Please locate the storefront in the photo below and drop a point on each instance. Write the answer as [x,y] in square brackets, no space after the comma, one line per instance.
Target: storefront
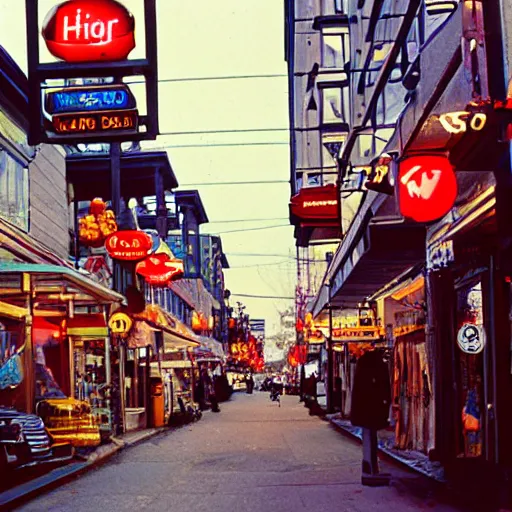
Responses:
[61,346]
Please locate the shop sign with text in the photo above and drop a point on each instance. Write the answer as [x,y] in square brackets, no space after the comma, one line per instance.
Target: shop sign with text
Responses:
[357,333]
[89,31]
[128,245]
[427,187]
[95,122]
[89,99]
[316,204]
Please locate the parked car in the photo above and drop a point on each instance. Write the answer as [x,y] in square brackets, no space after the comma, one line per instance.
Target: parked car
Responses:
[24,441]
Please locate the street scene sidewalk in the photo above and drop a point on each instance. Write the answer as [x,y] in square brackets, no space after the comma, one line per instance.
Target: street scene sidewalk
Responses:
[256,457]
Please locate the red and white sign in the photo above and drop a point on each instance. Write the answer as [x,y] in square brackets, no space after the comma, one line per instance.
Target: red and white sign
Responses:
[129,245]
[89,31]
[427,187]
[316,204]
[160,269]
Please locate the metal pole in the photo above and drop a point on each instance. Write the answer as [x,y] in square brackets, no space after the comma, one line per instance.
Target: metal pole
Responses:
[115,181]
[330,362]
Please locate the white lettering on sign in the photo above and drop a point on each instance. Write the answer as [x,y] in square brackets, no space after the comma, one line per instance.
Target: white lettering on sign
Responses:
[458,122]
[95,32]
[308,204]
[427,185]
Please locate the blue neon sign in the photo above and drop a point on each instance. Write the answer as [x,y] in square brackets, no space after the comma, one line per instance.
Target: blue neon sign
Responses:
[89,99]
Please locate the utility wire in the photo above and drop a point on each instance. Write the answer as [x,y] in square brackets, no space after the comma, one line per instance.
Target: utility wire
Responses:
[234,130]
[231,221]
[211,78]
[226,183]
[250,229]
[260,296]
[230,144]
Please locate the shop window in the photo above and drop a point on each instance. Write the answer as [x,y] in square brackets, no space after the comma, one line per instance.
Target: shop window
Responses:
[335,50]
[14,193]
[335,105]
[470,372]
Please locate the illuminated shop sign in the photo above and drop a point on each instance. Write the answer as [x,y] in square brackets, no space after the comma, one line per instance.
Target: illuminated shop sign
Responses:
[356,333]
[160,269]
[380,176]
[128,245]
[89,31]
[95,122]
[461,122]
[316,204]
[89,99]
[427,187]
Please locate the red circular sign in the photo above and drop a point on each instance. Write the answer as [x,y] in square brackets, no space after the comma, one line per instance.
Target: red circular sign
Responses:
[89,31]
[160,269]
[427,187]
[128,245]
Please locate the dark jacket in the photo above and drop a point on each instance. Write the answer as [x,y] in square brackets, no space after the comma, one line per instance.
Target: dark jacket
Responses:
[371,395]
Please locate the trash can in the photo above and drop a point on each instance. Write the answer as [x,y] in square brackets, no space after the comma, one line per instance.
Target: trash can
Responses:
[157,403]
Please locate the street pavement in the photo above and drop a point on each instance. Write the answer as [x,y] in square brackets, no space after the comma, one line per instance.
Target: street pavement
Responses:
[253,456]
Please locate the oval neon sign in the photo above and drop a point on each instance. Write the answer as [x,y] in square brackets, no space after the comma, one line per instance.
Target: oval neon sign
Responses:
[128,245]
[160,269]
[89,31]
[427,187]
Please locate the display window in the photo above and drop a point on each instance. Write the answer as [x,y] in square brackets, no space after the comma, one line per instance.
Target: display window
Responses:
[470,369]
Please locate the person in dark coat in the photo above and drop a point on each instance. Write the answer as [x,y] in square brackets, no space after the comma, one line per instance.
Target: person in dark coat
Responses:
[371,394]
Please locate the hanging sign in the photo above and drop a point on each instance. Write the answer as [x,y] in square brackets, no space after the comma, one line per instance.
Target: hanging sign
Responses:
[356,333]
[89,99]
[160,269]
[316,204]
[427,187]
[380,177]
[89,31]
[95,122]
[120,324]
[128,245]
[471,338]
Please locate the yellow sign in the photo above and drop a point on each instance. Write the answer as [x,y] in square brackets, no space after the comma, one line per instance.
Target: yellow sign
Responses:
[120,324]
[357,333]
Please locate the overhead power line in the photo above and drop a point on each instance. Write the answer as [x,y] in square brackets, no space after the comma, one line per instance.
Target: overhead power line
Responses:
[233,130]
[212,78]
[251,229]
[223,145]
[261,296]
[226,183]
[232,221]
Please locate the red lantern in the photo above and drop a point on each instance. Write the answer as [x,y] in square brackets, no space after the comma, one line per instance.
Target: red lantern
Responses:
[427,187]
[160,269]
[89,31]
[128,245]
[196,322]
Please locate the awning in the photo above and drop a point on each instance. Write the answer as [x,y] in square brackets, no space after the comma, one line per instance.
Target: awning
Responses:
[176,335]
[14,312]
[377,248]
[64,281]
[209,348]
[88,326]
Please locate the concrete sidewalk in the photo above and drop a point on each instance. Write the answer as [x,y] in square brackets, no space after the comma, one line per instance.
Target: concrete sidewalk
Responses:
[252,457]
[58,476]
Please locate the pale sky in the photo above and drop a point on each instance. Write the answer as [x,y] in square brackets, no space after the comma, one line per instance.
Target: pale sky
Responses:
[225,38]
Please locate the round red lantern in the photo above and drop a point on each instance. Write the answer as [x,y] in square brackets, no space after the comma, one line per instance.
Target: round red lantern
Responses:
[128,245]
[427,187]
[89,31]
[160,269]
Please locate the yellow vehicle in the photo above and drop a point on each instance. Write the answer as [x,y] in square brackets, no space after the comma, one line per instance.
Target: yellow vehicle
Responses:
[67,419]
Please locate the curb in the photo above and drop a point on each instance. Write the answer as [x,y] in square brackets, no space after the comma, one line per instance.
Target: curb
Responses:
[384,454]
[24,492]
